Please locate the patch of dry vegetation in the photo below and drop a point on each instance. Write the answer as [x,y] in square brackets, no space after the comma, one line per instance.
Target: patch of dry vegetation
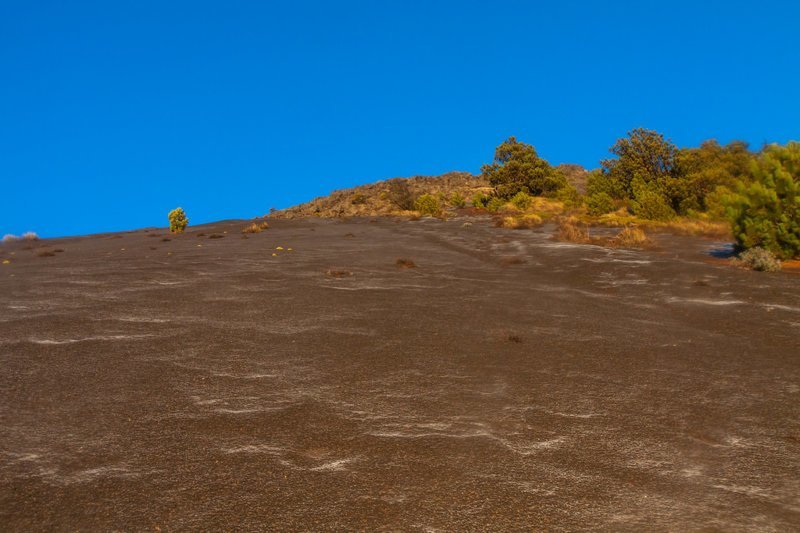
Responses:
[338,273]
[526,221]
[630,238]
[758,259]
[570,229]
[512,260]
[695,227]
[256,227]
[395,196]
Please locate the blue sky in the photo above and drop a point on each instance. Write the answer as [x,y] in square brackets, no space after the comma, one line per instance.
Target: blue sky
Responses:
[112,113]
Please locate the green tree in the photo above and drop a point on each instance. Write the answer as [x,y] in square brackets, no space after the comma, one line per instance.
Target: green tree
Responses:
[518,168]
[645,173]
[766,211]
[643,156]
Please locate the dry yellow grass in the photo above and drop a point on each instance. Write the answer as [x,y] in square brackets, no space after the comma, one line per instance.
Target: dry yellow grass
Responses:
[256,227]
[697,227]
[527,221]
[571,230]
[630,237]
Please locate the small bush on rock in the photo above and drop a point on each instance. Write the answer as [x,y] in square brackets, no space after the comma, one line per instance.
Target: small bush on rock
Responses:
[177,220]
[256,227]
[457,200]
[630,238]
[759,259]
[570,230]
[428,204]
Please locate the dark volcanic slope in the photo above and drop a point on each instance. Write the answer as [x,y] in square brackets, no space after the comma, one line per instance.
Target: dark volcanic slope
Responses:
[222,387]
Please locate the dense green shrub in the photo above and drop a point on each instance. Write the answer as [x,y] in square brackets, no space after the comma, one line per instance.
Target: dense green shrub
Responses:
[495,204]
[517,167]
[601,182]
[521,200]
[644,156]
[457,199]
[600,203]
[427,204]
[766,212]
[177,220]
[479,200]
[758,259]
[569,196]
[648,203]
[658,180]
[708,168]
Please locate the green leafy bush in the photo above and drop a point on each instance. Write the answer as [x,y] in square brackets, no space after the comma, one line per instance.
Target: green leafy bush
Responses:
[495,204]
[649,204]
[457,199]
[644,156]
[521,200]
[766,212]
[601,182]
[177,220]
[569,196]
[517,167]
[600,203]
[427,204]
[758,259]
[709,167]
[479,200]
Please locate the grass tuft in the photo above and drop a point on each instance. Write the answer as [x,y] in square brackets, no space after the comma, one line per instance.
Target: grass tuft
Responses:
[338,274]
[630,237]
[570,230]
[256,227]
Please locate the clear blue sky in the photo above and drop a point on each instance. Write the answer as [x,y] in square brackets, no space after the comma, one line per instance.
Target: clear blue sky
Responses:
[114,112]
